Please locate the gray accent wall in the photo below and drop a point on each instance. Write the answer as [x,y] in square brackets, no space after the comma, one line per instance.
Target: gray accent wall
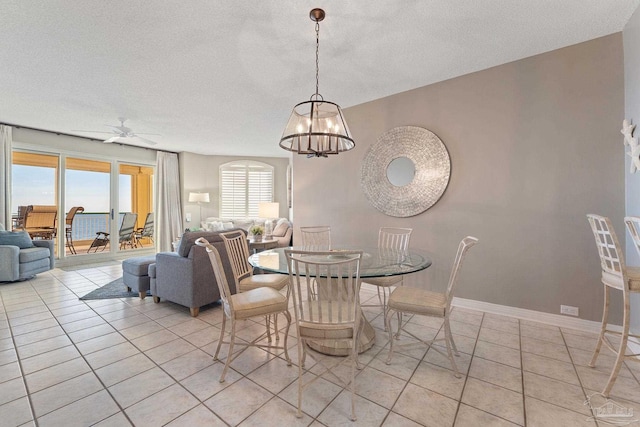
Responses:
[535,145]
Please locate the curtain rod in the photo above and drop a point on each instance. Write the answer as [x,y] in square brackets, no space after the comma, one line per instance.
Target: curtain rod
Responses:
[78,136]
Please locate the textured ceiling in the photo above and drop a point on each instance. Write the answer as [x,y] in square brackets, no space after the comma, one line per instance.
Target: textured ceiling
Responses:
[221,77]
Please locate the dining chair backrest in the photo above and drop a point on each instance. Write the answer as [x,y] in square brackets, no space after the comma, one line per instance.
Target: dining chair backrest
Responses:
[316,238]
[41,216]
[72,213]
[394,238]
[337,301]
[127,227]
[235,242]
[218,272]
[610,252]
[463,247]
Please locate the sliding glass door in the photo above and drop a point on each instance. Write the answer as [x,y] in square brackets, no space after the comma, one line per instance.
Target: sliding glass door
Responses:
[101,205]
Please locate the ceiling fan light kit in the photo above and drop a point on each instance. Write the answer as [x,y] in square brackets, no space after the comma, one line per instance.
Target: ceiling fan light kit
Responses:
[317,127]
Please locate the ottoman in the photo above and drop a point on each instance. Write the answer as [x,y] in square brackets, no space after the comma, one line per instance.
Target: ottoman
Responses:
[135,274]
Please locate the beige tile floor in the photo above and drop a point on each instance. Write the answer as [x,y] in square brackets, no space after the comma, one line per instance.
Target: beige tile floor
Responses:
[121,362]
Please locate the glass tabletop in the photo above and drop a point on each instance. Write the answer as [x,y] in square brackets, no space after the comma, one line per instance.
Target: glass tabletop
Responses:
[375,262]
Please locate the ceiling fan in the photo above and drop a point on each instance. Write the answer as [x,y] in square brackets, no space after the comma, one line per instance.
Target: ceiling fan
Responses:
[122,132]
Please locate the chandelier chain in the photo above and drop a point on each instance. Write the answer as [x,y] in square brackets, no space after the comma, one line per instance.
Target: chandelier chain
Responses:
[317,56]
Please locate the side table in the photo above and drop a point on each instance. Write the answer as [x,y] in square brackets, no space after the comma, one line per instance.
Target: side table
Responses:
[262,245]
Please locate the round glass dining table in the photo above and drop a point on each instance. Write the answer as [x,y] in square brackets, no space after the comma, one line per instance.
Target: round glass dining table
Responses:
[376,262]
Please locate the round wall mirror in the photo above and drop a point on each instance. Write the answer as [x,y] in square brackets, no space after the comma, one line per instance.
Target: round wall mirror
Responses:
[405,171]
[401,171]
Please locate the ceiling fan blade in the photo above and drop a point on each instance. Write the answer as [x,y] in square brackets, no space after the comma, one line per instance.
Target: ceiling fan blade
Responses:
[145,140]
[89,131]
[112,139]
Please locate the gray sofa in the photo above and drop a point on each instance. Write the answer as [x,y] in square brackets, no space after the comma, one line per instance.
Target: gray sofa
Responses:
[20,264]
[186,276]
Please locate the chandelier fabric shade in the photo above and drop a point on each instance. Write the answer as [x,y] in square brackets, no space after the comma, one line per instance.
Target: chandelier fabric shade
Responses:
[317,127]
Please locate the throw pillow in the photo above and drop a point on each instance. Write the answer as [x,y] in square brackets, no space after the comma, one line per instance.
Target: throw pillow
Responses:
[281,228]
[20,239]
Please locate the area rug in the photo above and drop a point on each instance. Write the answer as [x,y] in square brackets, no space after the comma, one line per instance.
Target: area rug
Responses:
[115,289]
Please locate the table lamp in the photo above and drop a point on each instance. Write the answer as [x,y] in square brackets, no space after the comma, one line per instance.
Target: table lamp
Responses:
[268,211]
[199,198]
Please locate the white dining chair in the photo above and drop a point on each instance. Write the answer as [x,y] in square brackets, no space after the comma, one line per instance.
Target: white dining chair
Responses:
[417,301]
[316,238]
[237,246]
[617,276]
[331,319]
[253,303]
[393,242]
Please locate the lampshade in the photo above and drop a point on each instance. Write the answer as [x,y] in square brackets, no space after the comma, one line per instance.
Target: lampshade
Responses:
[317,127]
[199,197]
[268,210]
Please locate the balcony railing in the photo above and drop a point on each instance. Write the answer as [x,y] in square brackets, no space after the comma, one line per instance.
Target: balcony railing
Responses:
[86,225]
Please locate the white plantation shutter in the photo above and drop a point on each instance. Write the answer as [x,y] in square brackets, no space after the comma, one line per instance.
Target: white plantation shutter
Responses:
[243,185]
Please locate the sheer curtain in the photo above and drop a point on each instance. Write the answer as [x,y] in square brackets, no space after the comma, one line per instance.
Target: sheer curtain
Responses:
[6,143]
[169,212]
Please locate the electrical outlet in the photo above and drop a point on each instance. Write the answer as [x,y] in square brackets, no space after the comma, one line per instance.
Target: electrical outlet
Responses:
[567,309]
[188,217]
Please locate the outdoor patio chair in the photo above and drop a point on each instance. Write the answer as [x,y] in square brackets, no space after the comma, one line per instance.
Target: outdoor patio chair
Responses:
[40,221]
[147,230]
[68,227]
[126,235]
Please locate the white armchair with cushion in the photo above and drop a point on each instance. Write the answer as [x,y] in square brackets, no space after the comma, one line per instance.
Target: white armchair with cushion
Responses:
[21,258]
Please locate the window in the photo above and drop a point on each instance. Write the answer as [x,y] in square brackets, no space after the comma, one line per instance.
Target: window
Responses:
[243,185]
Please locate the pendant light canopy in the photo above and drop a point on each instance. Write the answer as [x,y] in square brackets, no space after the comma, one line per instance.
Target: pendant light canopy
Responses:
[317,127]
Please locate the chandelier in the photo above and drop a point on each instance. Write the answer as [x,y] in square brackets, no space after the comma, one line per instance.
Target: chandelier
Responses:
[317,127]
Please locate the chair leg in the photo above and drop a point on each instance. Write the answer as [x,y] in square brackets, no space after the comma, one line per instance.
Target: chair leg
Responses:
[224,323]
[267,321]
[387,322]
[621,350]
[287,315]
[300,373]
[603,327]
[230,353]
[354,362]
[447,332]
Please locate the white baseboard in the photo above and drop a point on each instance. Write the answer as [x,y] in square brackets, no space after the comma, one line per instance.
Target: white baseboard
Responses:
[559,320]
[539,316]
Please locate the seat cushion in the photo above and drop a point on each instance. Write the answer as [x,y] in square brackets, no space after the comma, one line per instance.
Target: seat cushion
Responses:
[258,302]
[418,301]
[33,254]
[138,266]
[275,281]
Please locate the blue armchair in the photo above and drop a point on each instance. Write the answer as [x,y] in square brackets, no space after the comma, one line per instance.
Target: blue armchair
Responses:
[20,264]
